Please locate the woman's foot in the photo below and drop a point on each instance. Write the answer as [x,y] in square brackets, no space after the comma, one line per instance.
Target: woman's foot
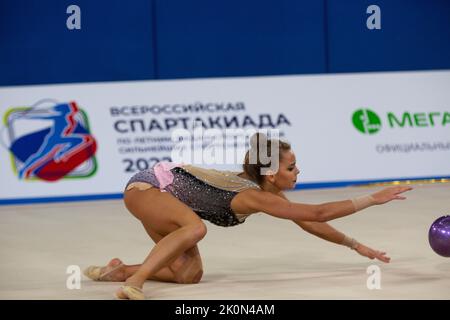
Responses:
[130,292]
[113,271]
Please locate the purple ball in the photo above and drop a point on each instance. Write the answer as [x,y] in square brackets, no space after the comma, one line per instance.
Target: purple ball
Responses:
[439,236]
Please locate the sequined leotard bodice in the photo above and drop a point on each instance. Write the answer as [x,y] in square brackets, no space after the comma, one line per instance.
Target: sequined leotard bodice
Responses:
[208,192]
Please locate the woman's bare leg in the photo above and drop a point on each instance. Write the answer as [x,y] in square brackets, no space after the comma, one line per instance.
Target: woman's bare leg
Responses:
[166,213]
[183,270]
[167,251]
[120,274]
[186,270]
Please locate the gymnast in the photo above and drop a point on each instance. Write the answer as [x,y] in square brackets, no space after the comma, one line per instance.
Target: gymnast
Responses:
[171,200]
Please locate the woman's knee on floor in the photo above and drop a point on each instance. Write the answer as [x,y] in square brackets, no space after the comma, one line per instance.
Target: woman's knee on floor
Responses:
[191,277]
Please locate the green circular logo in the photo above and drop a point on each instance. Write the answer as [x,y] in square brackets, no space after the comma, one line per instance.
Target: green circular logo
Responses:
[366,121]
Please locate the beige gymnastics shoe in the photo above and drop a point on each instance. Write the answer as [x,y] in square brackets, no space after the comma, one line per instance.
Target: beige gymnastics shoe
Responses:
[95,272]
[130,293]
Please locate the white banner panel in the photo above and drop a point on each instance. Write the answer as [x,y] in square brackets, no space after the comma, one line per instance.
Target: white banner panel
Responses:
[86,140]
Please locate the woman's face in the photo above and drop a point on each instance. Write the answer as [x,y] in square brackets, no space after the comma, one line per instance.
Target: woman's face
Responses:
[286,177]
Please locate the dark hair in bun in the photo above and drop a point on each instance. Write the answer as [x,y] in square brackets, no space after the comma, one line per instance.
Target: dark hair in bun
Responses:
[257,141]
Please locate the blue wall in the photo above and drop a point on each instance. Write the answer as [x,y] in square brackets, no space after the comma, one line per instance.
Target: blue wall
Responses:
[415,34]
[204,38]
[166,39]
[115,41]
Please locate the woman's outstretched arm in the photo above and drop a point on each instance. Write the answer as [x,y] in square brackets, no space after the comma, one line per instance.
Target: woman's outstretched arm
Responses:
[274,205]
[324,231]
[319,229]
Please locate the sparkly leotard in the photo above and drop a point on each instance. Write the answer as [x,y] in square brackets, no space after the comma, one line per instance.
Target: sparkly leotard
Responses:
[208,192]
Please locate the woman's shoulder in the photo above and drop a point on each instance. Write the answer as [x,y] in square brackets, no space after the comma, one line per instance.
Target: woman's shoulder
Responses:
[258,200]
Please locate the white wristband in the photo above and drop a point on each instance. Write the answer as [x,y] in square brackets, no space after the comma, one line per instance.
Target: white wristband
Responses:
[350,242]
[362,202]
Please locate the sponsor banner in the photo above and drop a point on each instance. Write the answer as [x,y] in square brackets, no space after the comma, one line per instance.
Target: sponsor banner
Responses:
[87,140]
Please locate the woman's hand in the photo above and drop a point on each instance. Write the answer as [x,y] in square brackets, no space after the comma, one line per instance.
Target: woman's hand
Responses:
[371,253]
[388,194]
